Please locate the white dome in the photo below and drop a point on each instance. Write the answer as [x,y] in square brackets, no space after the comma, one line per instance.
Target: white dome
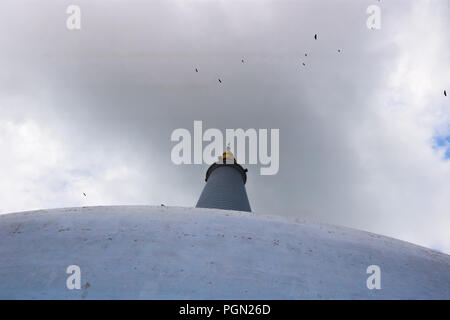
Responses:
[146,252]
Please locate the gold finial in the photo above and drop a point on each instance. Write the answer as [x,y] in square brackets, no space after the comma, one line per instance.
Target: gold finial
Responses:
[228,154]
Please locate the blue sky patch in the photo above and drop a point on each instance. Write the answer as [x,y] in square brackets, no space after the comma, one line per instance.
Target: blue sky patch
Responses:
[442,142]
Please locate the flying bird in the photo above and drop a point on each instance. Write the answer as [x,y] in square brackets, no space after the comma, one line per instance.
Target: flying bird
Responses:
[339,50]
[306,54]
[303,64]
[220,80]
[196,70]
[315,37]
[242,60]
[445,93]
[84,194]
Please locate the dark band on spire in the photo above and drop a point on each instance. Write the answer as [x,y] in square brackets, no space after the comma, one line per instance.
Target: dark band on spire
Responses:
[236,166]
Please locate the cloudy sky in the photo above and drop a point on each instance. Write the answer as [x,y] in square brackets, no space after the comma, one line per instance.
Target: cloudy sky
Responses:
[364,133]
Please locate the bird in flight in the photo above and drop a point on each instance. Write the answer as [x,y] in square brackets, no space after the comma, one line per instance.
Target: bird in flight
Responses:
[84,194]
[445,93]
[315,37]
[196,70]
[303,64]
[306,54]
[339,50]
[220,80]
[242,60]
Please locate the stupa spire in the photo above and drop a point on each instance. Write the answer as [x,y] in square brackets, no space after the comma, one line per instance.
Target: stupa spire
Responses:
[225,185]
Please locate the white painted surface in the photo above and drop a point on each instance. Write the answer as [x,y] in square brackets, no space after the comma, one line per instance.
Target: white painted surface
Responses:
[170,252]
